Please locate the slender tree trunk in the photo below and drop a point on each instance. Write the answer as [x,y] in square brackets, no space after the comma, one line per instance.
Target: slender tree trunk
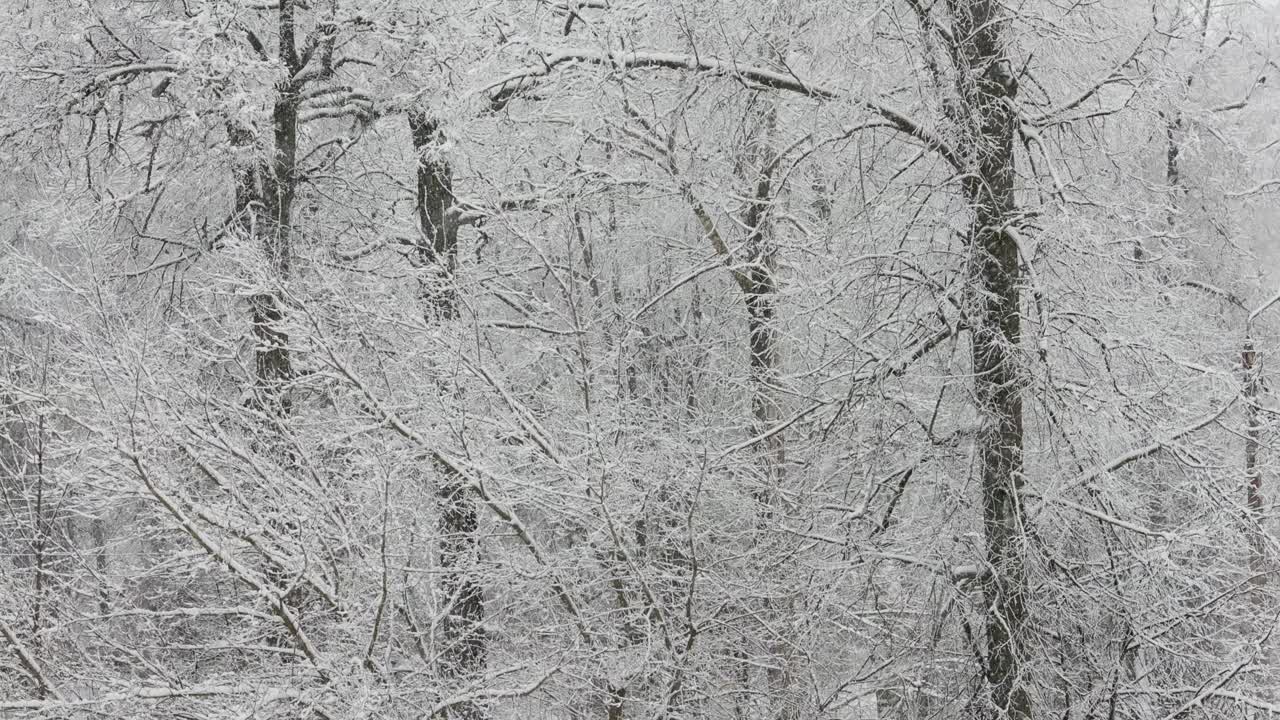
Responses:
[463,636]
[98,531]
[1254,499]
[1174,130]
[1252,442]
[39,545]
[988,88]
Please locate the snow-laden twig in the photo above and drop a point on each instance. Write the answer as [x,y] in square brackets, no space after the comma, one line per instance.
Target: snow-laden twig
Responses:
[28,661]
[500,91]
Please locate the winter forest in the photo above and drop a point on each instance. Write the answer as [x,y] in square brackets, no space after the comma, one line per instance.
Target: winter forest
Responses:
[628,359]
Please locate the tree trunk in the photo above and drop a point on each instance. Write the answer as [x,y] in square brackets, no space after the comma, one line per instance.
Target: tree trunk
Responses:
[1252,384]
[463,635]
[274,365]
[262,213]
[1254,498]
[438,244]
[264,194]
[1174,126]
[988,88]
[759,283]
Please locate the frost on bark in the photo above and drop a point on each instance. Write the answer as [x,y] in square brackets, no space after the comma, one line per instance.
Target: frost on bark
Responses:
[264,195]
[264,192]
[988,88]
[463,636]
[437,249]
[760,287]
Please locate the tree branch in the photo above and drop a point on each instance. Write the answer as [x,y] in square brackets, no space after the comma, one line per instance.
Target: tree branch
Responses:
[502,90]
[29,662]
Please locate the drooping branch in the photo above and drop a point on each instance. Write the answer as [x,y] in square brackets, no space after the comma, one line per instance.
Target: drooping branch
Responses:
[504,89]
[472,479]
[1116,75]
[215,550]
[29,662]
[522,79]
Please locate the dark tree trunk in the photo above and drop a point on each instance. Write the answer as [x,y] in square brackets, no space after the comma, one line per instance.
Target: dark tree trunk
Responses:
[256,221]
[264,195]
[463,630]
[263,213]
[463,634]
[1252,441]
[1254,499]
[759,283]
[760,287]
[438,246]
[988,88]
[1174,126]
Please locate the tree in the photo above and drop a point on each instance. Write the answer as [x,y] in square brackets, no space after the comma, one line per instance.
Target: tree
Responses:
[753,360]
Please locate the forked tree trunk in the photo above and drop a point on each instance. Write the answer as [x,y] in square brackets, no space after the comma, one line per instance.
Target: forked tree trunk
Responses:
[988,88]
[463,636]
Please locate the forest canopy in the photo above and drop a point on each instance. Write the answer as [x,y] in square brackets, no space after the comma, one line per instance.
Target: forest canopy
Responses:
[758,360]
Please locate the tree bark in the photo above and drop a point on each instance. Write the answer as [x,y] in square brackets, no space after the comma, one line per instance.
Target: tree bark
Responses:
[1254,499]
[438,244]
[464,639]
[1174,126]
[762,337]
[264,194]
[1252,442]
[988,88]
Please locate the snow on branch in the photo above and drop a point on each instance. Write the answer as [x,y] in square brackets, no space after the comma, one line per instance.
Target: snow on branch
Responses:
[1089,476]
[504,89]
[522,79]
[261,694]
[28,661]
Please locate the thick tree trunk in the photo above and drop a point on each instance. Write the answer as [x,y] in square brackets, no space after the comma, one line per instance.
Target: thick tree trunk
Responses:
[264,191]
[759,283]
[762,337]
[274,365]
[438,245]
[988,88]
[252,218]
[264,194]
[463,636]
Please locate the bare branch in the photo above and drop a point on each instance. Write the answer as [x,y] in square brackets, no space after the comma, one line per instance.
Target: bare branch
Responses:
[500,91]
[28,661]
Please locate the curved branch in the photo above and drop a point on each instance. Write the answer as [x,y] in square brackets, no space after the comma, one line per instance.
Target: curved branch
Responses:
[1116,75]
[502,90]
[29,662]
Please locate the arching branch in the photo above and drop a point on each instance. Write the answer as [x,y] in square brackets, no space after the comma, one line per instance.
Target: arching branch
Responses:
[501,91]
